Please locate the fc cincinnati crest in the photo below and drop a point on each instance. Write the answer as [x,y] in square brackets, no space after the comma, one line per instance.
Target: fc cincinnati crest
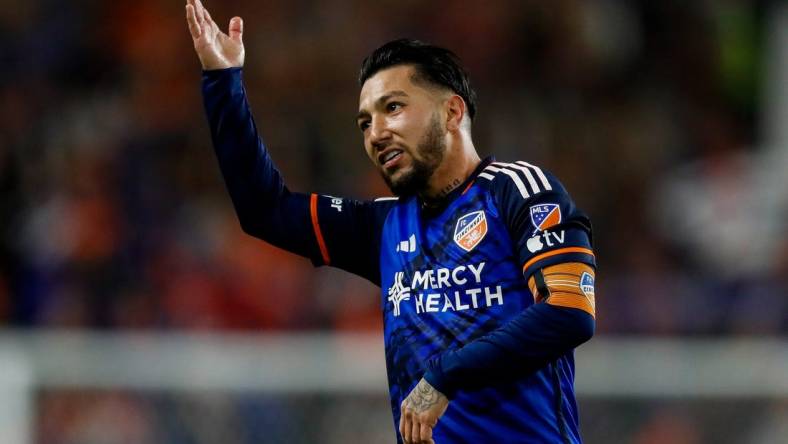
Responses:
[545,216]
[587,287]
[470,230]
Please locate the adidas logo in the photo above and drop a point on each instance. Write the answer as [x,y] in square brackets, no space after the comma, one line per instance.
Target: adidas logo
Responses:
[407,246]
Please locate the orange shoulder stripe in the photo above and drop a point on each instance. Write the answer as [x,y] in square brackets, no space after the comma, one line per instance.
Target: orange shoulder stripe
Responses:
[318,234]
[538,258]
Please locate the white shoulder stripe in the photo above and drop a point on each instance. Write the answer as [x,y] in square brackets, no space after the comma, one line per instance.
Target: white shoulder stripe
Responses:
[539,173]
[515,178]
[490,167]
[380,199]
[528,176]
[517,181]
[517,171]
[487,170]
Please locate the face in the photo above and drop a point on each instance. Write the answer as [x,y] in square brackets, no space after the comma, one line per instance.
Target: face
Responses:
[403,132]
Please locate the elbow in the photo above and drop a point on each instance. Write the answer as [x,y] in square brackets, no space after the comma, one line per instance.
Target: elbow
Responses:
[589,329]
[578,326]
[585,328]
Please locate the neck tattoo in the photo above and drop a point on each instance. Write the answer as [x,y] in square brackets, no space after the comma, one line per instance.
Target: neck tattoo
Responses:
[449,188]
[436,201]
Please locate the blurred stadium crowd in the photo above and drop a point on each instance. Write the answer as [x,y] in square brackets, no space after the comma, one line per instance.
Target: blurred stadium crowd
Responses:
[113,214]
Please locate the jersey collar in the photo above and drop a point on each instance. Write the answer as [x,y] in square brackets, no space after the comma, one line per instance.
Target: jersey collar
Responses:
[440,204]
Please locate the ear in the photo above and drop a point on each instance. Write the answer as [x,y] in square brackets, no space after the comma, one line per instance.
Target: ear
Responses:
[455,111]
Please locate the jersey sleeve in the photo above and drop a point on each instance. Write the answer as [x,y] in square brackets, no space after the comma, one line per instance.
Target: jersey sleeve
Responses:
[545,225]
[325,229]
[348,233]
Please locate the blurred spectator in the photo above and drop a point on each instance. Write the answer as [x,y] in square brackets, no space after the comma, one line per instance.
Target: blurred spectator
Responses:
[113,214]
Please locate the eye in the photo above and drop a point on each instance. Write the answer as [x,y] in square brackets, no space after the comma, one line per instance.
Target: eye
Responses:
[363,125]
[393,106]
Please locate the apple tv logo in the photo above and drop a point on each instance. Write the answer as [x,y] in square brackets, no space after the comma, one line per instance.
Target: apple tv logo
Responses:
[550,238]
[534,244]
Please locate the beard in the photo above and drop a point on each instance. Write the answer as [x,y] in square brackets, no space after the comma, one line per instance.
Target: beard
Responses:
[430,148]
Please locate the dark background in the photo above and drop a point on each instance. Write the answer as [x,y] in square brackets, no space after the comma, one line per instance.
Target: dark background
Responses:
[661,118]
[114,214]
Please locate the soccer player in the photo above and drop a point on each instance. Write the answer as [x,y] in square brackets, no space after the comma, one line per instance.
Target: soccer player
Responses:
[486,268]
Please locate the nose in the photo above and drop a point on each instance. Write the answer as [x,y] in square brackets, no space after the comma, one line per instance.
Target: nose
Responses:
[379,134]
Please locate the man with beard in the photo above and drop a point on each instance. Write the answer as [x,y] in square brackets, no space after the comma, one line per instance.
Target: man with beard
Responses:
[486,268]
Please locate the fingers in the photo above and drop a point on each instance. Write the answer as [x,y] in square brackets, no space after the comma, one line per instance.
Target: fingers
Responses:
[202,14]
[206,16]
[425,433]
[202,19]
[208,21]
[415,431]
[236,29]
[191,19]
[197,7]
[405,427]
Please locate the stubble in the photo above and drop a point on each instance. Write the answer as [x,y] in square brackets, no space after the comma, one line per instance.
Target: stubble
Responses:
[431,149]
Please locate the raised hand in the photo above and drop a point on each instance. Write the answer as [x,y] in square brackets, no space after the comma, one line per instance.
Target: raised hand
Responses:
[215,49]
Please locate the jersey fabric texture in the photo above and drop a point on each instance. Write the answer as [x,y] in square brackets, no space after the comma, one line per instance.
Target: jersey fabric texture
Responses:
[454,278]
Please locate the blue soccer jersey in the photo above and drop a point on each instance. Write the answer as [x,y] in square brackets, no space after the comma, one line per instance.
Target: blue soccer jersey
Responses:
[465,284]
[454,275]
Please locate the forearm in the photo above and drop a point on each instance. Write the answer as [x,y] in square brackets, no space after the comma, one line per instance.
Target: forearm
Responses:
[536,337]
[265,207]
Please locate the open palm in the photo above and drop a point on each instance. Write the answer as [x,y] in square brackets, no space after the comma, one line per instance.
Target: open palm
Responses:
[215,49]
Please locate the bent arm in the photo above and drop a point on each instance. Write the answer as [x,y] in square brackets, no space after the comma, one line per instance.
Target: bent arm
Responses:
[341,232]
[265,207]
[536,337]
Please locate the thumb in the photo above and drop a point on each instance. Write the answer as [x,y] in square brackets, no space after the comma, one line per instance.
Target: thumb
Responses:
[236,29]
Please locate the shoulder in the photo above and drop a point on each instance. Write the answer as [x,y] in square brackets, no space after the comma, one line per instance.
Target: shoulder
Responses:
[520,180]
[526,195]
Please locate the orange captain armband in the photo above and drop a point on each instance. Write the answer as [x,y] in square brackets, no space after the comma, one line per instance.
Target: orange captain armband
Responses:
[569,284]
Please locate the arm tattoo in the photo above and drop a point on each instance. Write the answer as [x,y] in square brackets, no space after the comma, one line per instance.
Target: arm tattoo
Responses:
[423,397]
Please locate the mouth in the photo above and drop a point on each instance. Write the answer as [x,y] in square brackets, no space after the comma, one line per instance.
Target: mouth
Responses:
[389,158]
